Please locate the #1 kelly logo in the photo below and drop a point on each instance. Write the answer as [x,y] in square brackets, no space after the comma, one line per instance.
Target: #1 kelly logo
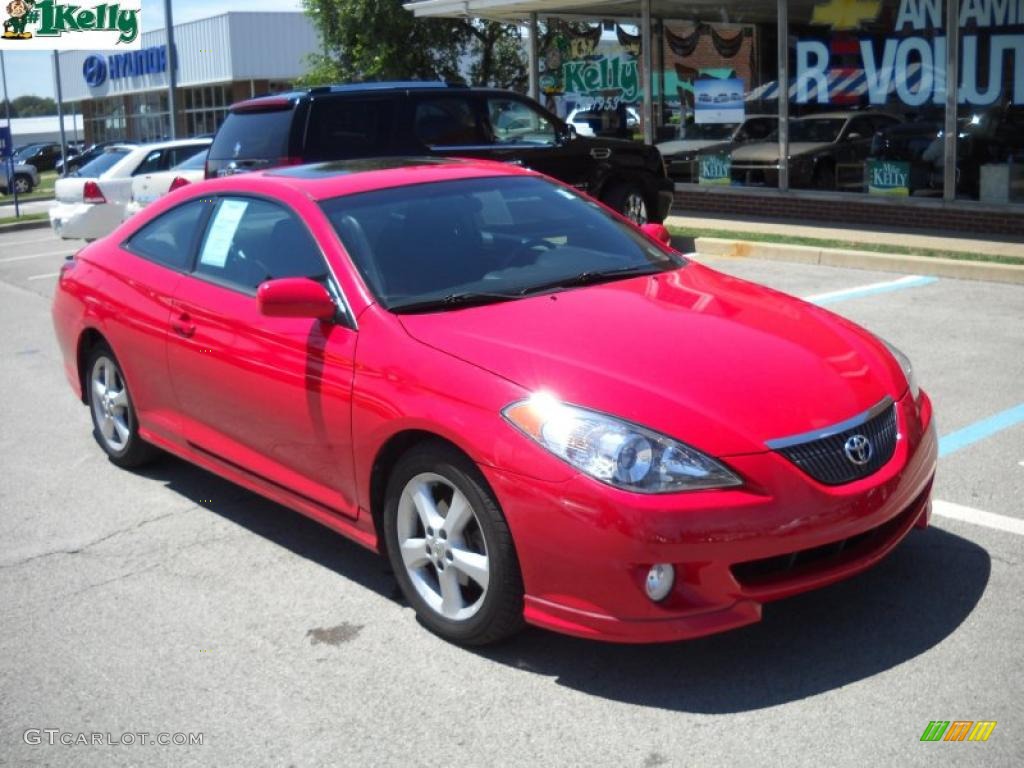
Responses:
[50,25]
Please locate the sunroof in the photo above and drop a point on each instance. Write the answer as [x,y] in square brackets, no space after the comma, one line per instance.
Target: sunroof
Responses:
[357,165]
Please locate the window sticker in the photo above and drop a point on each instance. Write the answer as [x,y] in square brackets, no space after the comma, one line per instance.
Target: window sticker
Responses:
[222,232]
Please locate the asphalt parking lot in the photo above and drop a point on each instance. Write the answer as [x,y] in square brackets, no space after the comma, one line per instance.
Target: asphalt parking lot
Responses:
[170,601]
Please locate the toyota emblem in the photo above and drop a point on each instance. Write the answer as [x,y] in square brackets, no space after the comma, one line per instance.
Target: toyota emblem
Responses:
[858,450]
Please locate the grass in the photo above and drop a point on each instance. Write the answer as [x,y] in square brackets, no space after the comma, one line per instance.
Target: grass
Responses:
[26,217]
[900,250]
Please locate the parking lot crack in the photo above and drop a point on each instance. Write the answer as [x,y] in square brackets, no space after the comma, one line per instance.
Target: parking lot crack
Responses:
[96,542]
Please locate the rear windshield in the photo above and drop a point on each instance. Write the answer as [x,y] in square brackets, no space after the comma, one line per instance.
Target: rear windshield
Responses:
[103,163]
[249,135]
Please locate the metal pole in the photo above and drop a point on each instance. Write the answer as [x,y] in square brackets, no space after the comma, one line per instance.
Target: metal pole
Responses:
[952,89]
[783,94]
[10,159]
[660,32]
[172,70]
[533,60]
[647,64]
[60,115]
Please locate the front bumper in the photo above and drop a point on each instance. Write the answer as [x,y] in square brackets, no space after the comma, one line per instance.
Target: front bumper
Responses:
[584,548]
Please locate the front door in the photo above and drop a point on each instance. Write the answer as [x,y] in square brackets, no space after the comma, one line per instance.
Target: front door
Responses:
[271,395]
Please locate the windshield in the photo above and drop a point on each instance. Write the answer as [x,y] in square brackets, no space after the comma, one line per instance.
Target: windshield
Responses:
[195,163]
[816,129]
[103,163]
[490,239]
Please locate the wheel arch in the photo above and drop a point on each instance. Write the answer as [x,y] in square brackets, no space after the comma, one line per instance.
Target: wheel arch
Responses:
[88,339]
[387,457]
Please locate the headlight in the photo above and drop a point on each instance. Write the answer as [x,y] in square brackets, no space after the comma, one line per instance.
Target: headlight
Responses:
[616,452]
[907,366]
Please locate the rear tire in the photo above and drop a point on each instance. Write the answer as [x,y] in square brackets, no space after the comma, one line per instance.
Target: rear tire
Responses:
[450,547]
[22,184]
[629,199]
[115,425]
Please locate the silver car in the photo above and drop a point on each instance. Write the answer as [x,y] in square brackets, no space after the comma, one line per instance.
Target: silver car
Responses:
[25,178]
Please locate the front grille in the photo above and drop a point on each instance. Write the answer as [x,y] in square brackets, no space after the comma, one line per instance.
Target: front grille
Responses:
[825,458]
[774,570]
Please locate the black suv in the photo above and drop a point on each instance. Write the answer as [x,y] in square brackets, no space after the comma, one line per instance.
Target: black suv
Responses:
[383,119]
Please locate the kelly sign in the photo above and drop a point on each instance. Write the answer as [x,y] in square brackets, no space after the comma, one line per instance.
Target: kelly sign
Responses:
[48,25]
[888,178]
[715,169]
[608,79]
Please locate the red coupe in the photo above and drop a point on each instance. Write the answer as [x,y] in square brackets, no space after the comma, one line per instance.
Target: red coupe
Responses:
[538,411]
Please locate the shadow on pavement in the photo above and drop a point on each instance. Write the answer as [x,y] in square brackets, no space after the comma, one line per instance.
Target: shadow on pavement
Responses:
[283,526]
[804,645]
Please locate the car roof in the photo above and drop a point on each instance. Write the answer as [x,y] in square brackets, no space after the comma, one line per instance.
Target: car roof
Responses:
[255,103]
[321,181]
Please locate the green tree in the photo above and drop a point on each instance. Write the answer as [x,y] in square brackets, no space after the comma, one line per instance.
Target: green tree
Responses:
[380,40]
[33,106]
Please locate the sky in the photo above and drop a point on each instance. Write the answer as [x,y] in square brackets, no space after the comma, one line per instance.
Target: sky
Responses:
[32,73]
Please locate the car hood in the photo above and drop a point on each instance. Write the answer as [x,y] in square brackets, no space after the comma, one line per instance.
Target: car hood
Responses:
[717,362]
[679,146]
[769,151]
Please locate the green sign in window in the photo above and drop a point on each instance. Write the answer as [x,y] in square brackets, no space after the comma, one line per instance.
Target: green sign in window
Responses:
[886,177]
[715,169]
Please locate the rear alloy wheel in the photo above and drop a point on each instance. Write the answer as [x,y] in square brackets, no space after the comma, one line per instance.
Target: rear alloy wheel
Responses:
[113,415]
[450,547]
[22,184]
[629,200]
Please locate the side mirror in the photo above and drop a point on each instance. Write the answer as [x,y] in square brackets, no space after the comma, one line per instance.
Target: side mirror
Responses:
[854,136]
[568,132]
[295,297]
[657,232]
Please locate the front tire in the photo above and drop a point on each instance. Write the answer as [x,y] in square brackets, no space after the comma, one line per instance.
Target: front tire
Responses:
[115,424]
[630,200]
[22,184]
[450,547]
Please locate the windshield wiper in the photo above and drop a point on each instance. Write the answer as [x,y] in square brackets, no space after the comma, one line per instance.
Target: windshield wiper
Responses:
[592,278]
[453,300]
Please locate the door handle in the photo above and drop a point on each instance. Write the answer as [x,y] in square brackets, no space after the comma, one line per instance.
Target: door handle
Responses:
[183,325]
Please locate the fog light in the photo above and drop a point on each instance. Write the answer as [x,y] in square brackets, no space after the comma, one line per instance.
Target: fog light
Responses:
[660,579]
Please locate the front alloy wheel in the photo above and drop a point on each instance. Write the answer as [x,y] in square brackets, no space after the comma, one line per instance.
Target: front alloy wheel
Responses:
[22,184]
[635,208]
[450,547]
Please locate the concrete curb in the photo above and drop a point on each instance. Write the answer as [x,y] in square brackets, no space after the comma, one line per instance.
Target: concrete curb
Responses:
[10,203]
[41,224]
[881,262]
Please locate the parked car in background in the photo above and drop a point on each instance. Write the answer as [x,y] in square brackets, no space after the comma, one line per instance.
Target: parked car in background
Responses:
[24,179]
[681,154]
[86,155]
[148,187]
[91,203]
[604,122]
[826,151]
[526,403]
[43,156]
[422,118]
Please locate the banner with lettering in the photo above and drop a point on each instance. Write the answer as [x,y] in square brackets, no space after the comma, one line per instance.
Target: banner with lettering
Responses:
[48,25]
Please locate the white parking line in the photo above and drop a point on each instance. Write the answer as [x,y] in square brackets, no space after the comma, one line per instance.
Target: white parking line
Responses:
[43,277]
[16,243]
[978,517]
[29,256]
[871,289]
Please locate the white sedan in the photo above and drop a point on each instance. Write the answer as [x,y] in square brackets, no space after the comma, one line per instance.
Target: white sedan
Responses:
[148,187]
[91,203]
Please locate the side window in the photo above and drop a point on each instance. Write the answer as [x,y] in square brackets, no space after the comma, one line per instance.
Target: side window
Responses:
[447,122]
[168,240]
[516,122]
[250,241]
[344,127]
[152,164]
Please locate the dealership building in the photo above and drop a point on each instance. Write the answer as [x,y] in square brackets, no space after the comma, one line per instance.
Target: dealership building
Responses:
[875,112]
[221,59]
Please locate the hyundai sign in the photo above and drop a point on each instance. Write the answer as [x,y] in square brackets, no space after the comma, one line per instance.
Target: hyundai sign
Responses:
[97,69]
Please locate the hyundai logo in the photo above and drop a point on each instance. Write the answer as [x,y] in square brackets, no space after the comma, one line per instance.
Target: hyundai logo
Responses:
[94,70]
[858,450]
